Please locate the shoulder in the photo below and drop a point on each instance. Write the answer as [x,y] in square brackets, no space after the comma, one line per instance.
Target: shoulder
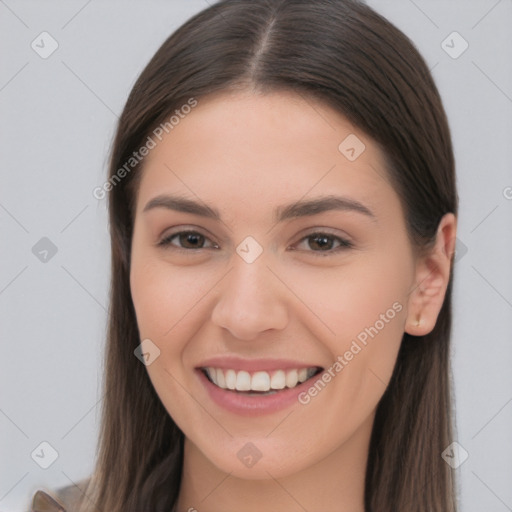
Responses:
[62,499]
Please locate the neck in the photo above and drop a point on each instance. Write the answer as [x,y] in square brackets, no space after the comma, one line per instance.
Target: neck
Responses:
[335,483]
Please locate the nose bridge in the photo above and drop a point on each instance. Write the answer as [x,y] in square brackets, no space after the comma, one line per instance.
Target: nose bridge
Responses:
[250,300]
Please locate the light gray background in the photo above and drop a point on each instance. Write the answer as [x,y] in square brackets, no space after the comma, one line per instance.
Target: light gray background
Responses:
[57,119]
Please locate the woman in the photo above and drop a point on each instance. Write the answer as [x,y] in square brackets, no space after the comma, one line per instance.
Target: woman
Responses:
[283,210]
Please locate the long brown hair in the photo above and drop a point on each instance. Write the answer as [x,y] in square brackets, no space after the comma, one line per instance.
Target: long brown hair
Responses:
[355,61]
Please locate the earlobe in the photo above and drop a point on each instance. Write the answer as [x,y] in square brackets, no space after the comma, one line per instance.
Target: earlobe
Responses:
[433,272]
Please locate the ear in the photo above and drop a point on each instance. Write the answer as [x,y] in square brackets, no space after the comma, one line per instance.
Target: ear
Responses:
[432,277]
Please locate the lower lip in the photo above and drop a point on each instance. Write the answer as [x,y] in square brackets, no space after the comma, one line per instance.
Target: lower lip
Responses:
[255,405]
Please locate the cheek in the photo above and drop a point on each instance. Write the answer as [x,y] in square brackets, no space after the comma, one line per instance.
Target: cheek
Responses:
[164,295]
[153,302]
[167,302]
[352,297]
[364,306]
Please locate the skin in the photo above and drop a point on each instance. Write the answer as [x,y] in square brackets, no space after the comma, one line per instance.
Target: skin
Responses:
[245,154]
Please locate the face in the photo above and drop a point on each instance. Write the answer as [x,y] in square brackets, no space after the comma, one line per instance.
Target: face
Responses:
[269,255]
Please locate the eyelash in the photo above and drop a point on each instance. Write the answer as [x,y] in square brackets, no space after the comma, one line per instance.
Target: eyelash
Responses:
[343,243]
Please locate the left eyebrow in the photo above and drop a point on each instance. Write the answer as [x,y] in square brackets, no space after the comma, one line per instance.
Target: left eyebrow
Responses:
[282,213]
[320,205]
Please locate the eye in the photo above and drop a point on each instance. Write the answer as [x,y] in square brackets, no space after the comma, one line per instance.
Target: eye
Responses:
[187,240]
[320,243]
[324,244]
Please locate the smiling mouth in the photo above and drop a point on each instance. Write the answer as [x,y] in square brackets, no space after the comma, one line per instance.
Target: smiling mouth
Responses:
[261,382]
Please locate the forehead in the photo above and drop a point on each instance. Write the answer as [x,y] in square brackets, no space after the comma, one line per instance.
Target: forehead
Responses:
[258,149]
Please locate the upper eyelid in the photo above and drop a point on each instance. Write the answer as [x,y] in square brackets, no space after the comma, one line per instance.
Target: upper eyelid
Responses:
[185,229]
[171,235]
[344,242]
[304,233]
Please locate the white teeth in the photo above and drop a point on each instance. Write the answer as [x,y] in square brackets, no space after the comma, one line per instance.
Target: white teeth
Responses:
[221,381]
[278,380]
[259,381]
[212,374]
[230,379]
[243,381]
[292,378]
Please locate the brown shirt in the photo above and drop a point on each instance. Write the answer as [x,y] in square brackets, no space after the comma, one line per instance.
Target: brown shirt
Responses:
[64,499]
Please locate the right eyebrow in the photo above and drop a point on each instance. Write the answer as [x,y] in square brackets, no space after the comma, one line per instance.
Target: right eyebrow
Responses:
[182,204]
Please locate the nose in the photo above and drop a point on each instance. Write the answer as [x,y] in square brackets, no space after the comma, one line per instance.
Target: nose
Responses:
[251,301]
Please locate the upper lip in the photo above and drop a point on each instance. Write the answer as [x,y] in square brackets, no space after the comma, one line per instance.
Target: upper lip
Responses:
[254,365]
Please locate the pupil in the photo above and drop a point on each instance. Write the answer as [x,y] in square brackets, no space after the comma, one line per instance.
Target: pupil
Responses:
[191,240]
[322,242]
